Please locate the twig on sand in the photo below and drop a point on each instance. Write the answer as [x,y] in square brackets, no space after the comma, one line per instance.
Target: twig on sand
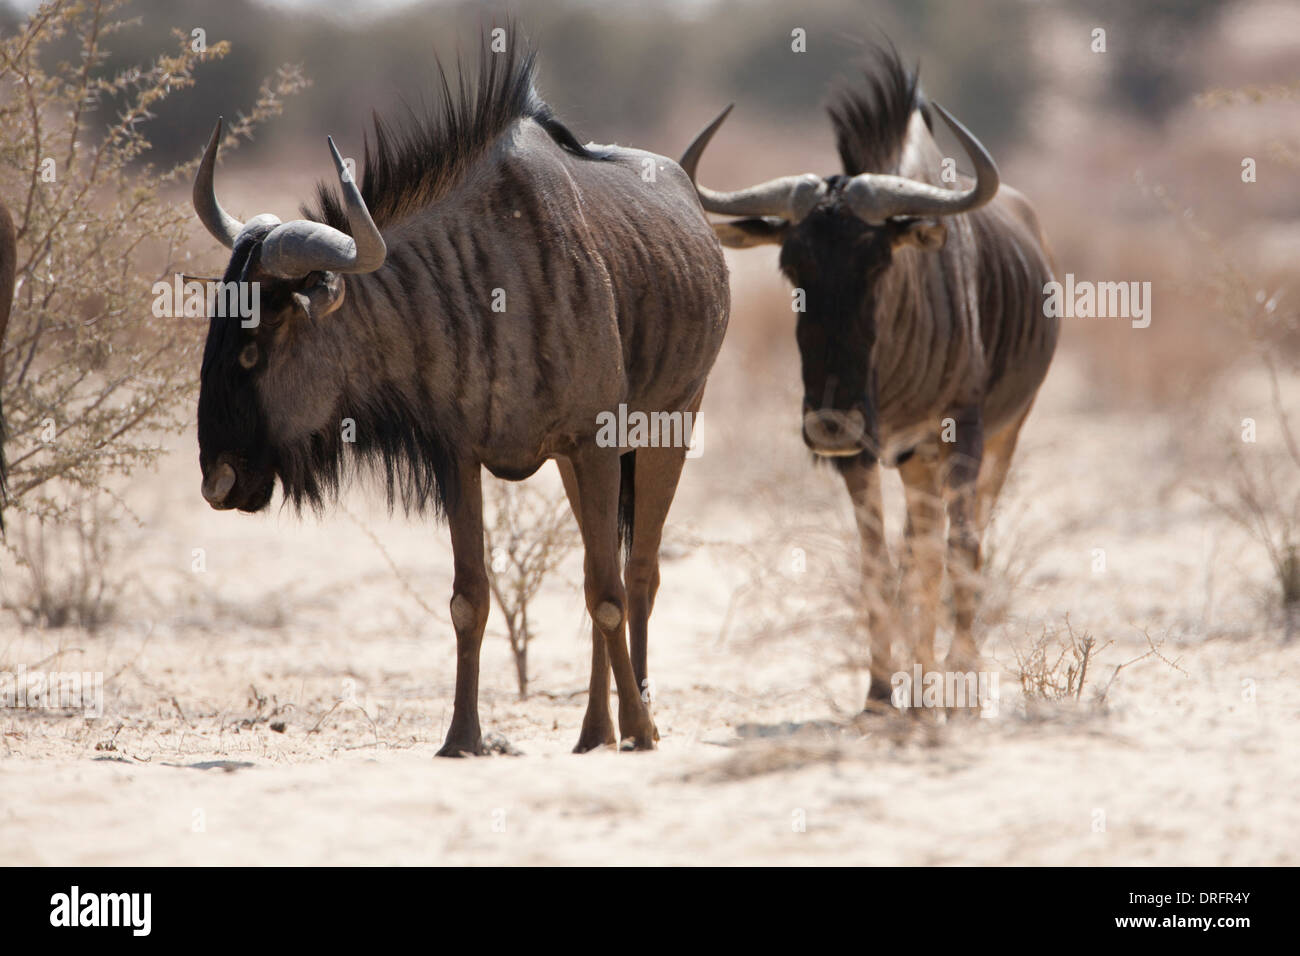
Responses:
[397,574]
[374,729]
[57,654]
[184,719]
[316,726]
[1153,650]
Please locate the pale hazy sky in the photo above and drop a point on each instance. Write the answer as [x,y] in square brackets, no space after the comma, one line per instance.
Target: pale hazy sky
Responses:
[352,9]
[349,7]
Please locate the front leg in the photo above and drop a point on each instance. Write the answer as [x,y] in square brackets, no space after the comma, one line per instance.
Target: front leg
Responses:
[922,572]
[470,603]
[863,483]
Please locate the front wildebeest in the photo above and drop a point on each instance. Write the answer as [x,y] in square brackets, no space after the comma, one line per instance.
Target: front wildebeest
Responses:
[923,338]
[8,265]
[488,292]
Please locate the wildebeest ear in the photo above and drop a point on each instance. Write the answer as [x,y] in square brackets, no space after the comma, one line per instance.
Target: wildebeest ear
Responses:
[321,297]
[743,233]
[927,235]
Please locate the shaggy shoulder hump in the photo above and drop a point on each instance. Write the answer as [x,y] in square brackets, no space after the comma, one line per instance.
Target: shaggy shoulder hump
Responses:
[417,159]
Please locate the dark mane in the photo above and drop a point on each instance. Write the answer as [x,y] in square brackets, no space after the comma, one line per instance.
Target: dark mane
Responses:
[394,440]
[871,123]
[418,159]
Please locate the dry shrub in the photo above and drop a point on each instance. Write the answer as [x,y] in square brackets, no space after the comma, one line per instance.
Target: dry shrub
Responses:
[528,533]
[91,379]
[1263,493]
[70,581]
[1262,496]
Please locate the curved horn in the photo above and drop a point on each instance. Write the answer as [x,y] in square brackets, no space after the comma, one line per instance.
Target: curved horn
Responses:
[302,246]
[875,197]
[371,250]
[789,197]
[223,226]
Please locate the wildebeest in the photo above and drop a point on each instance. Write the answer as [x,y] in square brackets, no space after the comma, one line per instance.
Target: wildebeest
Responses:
[8,265]
[491,288]
[923,339]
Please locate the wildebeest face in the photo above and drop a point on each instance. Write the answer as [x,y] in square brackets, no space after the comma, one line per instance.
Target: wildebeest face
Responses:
[291,273]
[837,263]
[838,237]
[237,451]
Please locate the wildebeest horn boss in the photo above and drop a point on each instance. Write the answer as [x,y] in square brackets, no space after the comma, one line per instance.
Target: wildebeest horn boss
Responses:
[487,292]
[922,338]
[8,266]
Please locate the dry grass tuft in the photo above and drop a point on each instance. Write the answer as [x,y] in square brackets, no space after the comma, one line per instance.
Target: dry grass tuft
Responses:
[1055,667]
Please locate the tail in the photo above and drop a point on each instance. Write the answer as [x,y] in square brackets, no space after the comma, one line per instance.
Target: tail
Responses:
[4,474]
[626,501]
[8,262]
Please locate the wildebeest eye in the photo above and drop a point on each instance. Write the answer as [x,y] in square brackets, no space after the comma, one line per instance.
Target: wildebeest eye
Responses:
[248,357]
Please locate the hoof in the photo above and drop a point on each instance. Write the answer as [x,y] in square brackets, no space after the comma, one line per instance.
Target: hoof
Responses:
[961,662]
[643,741]
[873,709]
[880,691]
[462,747]
[636,728]
[654,737]
[595,739]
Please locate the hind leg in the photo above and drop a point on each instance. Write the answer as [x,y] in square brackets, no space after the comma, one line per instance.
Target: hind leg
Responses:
[959,470]
[597,724]
[597,475]
[656,474]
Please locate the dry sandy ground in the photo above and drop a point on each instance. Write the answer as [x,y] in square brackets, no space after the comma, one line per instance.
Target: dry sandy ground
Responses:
[1186,764]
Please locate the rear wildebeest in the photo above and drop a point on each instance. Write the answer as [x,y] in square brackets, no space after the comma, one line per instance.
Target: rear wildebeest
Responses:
[8,265]
[488,292]
[922,338]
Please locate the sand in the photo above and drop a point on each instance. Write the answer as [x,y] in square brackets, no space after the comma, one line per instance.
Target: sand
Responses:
[283,705]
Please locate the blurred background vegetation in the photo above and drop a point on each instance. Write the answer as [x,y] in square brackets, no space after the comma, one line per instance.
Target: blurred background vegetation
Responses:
[619,69]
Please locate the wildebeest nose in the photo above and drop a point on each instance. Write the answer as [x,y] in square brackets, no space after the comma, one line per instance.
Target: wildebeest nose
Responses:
[829,431]
[218,483]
